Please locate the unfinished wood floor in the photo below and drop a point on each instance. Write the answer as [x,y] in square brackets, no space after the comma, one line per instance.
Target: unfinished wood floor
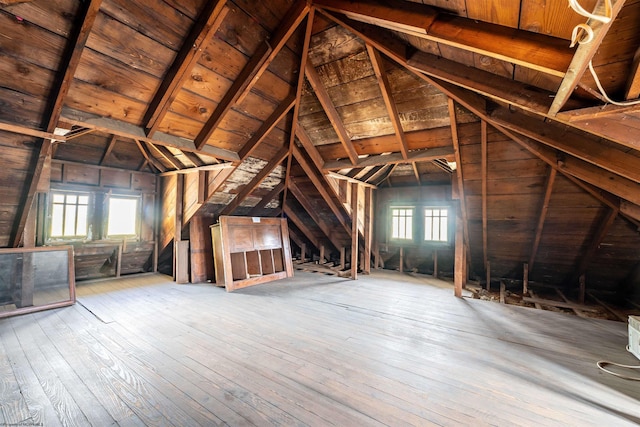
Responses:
[388,349]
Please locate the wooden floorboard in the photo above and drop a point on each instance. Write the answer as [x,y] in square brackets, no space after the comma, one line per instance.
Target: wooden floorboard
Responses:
[387,349]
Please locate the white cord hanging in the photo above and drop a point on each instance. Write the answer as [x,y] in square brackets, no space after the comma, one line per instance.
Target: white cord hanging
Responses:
[606,18]
[604,94]
[588,32]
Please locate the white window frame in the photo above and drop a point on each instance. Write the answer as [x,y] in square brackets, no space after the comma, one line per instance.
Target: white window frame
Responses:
[66,208]
[404,213]
[436,224]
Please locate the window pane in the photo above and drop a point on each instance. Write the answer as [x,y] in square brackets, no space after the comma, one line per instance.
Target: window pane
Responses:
[71,199]
[443,228]
[122,217]
[58,198]
[83,200]
[81,229]
[56,220]
[70,220]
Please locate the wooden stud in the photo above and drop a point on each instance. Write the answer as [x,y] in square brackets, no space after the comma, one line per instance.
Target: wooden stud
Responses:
[303,254]
[354,231]
[582,288]
[119,261]
[435,263]
[213,187]
[368,229]
[401,262]
[107,151]
[205,27]
[321,254]
[459,176]
[543,215]
[203,182]
[484,171]
[458,275]
[342,257]
[525,279]
[268,198]
[488,275]
[633,82]
[503,293]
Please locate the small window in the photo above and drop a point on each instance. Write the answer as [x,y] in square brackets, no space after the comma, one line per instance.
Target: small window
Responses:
[69,213]
[123,216]
[435,224]
[402,223]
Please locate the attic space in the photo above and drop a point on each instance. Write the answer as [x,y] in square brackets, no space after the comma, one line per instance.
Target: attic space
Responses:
[489,147]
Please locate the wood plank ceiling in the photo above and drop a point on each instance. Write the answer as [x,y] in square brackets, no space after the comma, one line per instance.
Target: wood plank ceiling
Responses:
[273,100]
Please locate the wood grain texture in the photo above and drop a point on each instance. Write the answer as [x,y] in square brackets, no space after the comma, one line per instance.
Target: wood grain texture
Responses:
[325,366]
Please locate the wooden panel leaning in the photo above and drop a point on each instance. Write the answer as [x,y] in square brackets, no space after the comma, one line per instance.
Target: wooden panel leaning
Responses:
[250,250]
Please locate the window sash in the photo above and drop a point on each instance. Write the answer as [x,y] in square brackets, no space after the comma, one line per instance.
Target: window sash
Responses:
[436,223]
[402,223]
[69,215]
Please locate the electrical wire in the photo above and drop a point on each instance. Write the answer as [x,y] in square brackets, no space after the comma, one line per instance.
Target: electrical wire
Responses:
[602,363]
[606,18]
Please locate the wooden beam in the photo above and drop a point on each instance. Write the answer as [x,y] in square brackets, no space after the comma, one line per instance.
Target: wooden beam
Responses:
[394,158]
[255,182]
[354,231]
[570,141]
[148,157]
[212,188]
[323,188]
[312,212]
[416,173]
[308,146]
[23,130]
[332,113]
[484,172]
[267,126]
[459,176]
[209,168]
[69,64]
[108,149]
[630,209]
[168,155]
[302,226]
[208,22]
[458,275]
[392,109]
[296,109]
[597,239]
[349,179]
[550,55]
[368,229]
[195,159]
[633,81]
[542,217]
[525,278]
[584,54]
[131,131]
[254,69]
[268,198]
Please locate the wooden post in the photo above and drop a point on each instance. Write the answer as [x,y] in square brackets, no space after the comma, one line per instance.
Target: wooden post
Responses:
[27,282]
[401,259]
[435,264]
[368,229]
[303,250]
[376,256]
[342,257]
[503,292]
[354,230]
[488,275]
[525,279]
[583,288]
[182,261]
[321,254]
[119,261]
[458,274]
[155,256]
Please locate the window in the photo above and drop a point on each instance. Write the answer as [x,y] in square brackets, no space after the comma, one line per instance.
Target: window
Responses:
[402,223]
[123,216]
[435,224]
[69,212]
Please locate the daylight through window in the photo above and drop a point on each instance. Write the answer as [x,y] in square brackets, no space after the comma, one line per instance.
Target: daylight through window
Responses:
[123,216]
[69,215]
[435,224]
[402,223]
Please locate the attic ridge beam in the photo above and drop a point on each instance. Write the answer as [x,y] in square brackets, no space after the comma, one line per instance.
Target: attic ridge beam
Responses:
[205,27]
[565,140]
[392,109]
[268,198]
[550,55]
[543,215]
[296,109]
[331,111]
[584,54]
[394,158]
[73,52]
[255,182]
[320,183]
[267,127]
[254,69]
